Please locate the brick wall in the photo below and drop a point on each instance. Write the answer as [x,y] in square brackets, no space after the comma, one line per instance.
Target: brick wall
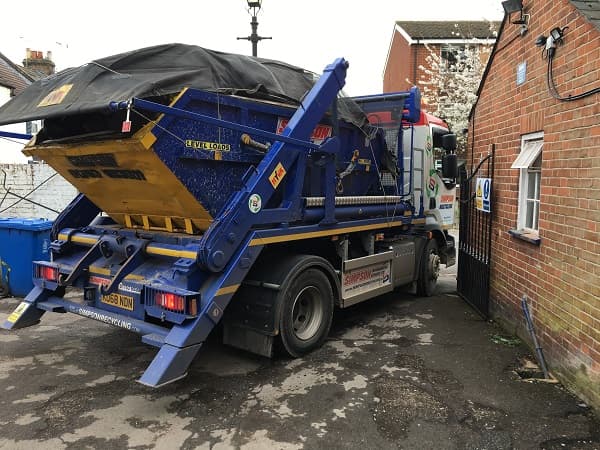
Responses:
[56,193]
[401,68]
[561,276]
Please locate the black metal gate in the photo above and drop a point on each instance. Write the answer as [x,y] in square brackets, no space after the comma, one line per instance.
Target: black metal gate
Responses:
[475,234]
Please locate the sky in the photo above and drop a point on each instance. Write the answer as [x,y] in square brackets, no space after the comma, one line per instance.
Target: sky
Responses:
[309,33]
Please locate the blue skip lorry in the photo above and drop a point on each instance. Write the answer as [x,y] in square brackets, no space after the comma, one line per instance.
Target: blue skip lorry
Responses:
[224,189]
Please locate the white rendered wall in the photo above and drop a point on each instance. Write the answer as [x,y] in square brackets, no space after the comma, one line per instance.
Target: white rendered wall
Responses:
[10,152]
[56,193]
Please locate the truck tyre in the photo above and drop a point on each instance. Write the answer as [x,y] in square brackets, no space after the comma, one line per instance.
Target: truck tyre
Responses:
[306,312]
[429,270]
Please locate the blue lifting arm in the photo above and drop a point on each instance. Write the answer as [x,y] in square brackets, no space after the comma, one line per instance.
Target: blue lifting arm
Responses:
[11,135]
[227,233]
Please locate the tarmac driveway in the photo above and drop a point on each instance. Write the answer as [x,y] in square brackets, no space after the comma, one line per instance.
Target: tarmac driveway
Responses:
[397,372]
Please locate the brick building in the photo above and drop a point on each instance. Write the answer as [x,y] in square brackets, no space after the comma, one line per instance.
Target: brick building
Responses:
[546,185]
[412,42]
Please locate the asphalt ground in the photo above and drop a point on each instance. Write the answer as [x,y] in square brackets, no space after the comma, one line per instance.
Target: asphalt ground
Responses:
[396,372]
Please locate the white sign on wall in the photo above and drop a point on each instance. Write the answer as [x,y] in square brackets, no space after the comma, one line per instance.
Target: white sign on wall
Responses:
[521,73]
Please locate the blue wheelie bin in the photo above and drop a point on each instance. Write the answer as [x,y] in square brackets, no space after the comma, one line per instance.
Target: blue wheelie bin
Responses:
[22,241]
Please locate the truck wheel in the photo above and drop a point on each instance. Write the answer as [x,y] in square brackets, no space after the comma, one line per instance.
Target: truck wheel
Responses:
[429,270]
[306,312]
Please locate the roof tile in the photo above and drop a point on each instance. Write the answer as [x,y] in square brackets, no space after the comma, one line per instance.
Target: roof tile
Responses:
[11,76]
[449,29]
[590,10]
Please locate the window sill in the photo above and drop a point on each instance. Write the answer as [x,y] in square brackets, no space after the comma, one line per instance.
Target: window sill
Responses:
[528,236]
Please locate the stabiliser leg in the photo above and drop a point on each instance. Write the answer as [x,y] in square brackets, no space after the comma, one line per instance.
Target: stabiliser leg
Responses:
[27,314]
[184,341]
[170,364]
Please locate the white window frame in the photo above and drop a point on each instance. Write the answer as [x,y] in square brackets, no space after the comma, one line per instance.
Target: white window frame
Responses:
[454,49]
[528,142]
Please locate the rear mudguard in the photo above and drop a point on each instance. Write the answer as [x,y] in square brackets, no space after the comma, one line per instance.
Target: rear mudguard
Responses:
[253,316]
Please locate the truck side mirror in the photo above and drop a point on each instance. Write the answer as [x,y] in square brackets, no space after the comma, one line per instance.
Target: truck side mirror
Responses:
[450,165]
[449,141]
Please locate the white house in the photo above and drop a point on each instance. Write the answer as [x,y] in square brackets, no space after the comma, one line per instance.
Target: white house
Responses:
[12,82]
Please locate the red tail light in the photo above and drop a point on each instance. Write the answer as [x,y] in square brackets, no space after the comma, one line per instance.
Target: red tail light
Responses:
[172,302]
[49,273]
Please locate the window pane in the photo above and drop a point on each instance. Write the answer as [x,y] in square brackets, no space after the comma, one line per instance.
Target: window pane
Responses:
[531,180]
[529,215]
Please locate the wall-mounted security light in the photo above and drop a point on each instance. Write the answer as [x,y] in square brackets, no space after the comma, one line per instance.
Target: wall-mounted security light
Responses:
[557,34]
[551,43]
[554,38]
[513,6]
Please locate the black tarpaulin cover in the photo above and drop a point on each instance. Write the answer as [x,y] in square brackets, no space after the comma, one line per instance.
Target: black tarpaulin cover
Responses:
[163,70]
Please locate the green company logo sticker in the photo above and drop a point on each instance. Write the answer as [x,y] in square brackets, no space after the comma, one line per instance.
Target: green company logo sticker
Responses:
[254,203]
[432,185]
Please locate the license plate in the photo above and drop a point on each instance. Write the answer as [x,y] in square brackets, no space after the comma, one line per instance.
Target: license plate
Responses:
[118,300]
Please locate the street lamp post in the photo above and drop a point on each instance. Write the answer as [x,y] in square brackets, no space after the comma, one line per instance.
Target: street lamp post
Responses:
[253,10]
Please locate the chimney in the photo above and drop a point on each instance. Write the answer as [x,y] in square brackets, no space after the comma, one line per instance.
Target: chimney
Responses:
[37,65]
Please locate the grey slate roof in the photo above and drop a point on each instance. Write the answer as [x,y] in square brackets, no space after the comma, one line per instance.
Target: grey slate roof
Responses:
[13,77]
[449,29]
[590,9]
